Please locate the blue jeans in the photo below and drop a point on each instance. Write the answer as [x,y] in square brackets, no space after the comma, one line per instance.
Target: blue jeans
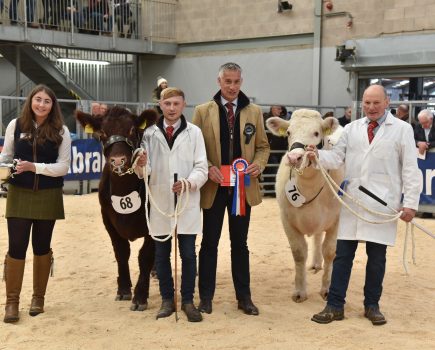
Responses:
[98,22]
[342,267]
[186,244]
[30,10]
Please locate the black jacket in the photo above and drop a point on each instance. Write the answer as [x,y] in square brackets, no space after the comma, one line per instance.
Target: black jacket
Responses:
[420,136]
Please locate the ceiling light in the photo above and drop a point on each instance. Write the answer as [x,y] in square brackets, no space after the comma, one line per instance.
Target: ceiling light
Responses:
[73,60]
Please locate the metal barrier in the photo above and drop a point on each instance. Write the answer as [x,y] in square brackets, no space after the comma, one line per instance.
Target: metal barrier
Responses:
[146,19]
[86,186]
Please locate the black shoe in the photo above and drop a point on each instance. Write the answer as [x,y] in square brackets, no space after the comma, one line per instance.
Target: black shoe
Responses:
[167,309]
[328,314]
[205,305]
[248,307]
[375,315]
[192,313]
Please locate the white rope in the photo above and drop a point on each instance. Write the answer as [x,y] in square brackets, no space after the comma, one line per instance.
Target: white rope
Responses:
[332,184]
[392,217]
[149,198]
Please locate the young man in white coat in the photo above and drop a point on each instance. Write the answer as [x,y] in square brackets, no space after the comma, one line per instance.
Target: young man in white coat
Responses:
[175,146]
[379,153]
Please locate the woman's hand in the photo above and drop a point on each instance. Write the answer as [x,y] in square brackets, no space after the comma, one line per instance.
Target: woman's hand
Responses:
[24,165]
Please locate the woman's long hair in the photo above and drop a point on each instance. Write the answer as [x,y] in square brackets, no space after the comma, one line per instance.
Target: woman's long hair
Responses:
[52,128]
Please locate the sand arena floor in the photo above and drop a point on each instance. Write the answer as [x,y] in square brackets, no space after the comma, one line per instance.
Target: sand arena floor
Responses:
[81,312]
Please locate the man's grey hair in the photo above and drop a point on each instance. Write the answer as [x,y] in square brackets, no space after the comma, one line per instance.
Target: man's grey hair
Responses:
[425,113]
[229,66]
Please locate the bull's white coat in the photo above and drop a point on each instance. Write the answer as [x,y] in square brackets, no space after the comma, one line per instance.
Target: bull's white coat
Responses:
[317,216]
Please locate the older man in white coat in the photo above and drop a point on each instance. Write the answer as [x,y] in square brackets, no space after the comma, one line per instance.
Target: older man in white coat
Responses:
[379,153]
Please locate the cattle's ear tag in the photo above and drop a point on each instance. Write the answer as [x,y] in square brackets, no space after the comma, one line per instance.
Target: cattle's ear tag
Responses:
[282,132]
[89,129]
[143,125]
[327,132]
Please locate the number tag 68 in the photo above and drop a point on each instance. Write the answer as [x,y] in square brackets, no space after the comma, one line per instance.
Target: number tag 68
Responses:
[293,195]
[127,204]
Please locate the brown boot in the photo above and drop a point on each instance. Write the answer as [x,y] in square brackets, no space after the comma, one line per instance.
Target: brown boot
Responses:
[41,270]
[13,275]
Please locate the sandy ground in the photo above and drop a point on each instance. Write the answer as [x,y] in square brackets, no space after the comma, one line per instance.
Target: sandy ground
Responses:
[81,312]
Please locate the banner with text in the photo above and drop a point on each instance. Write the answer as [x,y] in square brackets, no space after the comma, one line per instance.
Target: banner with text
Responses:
[87,161]
[427,167]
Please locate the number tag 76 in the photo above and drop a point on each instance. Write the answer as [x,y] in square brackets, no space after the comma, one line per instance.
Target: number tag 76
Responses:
[127,204]
[293,195]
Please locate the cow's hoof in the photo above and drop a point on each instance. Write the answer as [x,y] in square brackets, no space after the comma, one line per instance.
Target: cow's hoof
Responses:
[299,297]
[121,297]
[139,307]
[315,268]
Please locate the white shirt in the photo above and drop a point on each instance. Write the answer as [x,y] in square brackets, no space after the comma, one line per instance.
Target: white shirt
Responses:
[426,134]
[224,102]
[60,168]
[176,125]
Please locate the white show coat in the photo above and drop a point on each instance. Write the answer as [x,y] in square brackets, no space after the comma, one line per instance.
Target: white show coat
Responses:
[385,167]
[188,159]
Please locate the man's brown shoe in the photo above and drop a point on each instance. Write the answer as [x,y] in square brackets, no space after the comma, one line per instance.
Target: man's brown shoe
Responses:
[328,315]
[167,309]
[192,313]
[375,315]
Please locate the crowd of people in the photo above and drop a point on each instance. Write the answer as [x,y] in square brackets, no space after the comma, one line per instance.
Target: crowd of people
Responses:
[96,17]
[225,133]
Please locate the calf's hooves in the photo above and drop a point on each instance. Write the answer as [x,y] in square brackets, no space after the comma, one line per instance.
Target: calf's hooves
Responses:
[139,307]
[121,297]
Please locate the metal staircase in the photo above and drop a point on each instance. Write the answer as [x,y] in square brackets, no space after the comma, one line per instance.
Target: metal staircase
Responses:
[39,67]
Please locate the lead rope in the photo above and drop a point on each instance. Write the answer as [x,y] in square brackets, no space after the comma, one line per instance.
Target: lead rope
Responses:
[150,199]
[175,215]
[392,217]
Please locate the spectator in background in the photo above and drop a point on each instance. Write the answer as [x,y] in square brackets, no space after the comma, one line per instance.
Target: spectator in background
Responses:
[30,12]
[403,112]
[162,84]
[99,13]
[123,15]
[64,11]
[95,108]
[424,132]
[103,108]
[47,13]
[346,118]
[276,143]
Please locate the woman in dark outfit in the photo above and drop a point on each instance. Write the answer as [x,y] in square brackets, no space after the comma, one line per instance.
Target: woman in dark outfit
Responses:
[42,145]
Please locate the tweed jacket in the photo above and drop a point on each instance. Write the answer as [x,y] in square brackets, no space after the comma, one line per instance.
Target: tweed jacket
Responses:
[206,116]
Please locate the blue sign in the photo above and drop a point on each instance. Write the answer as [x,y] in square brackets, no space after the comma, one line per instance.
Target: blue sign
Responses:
[427,167]
[87,160]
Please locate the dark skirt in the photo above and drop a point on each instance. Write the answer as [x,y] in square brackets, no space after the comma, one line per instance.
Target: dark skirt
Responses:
[40,205]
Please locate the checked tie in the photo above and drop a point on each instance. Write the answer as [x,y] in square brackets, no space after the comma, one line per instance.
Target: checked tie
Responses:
[372,125]
[169,132]
[230,114]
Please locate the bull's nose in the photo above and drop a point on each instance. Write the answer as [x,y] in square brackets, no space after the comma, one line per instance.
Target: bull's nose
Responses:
[294,158]
[118,161]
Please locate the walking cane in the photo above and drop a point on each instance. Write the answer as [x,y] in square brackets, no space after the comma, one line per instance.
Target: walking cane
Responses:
[175,254]
[376,198]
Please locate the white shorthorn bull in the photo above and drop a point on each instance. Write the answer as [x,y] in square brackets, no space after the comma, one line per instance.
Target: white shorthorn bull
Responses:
[307,205]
